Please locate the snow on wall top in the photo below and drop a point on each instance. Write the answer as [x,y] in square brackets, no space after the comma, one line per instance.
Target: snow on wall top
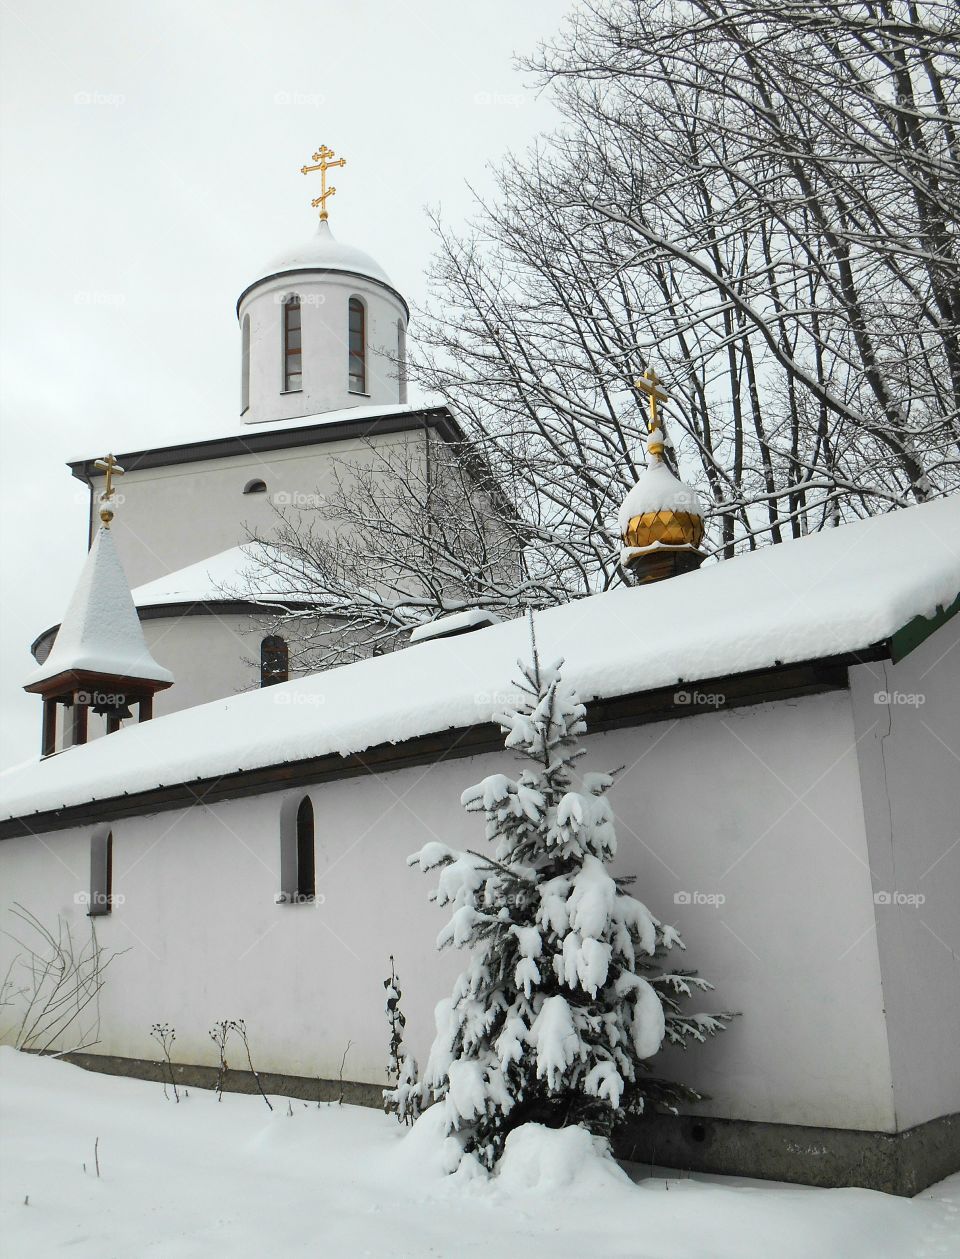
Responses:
[101,631]
[229,575]
[837,591]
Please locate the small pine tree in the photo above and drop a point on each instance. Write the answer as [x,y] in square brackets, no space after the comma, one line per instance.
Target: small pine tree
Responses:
[565,999]
[404,1099]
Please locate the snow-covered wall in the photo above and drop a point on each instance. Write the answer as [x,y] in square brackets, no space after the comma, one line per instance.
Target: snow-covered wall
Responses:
[745,829]
[908,743]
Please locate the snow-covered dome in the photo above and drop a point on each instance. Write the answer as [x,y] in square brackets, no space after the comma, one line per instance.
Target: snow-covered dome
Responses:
[323,252]
[660,512]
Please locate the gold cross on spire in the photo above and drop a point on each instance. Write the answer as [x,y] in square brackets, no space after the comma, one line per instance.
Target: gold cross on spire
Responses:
[324,162]
[111,468]
[650,385]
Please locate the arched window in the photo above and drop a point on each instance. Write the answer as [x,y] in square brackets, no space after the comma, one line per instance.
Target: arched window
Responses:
[255,486]
[101,872]
[306,856]
[402,359]
[245,365]
[298,863]
[292,351]
[357,328]
[274,660]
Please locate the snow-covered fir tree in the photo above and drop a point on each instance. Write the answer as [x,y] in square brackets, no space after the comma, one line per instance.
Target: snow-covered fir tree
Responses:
[567,995]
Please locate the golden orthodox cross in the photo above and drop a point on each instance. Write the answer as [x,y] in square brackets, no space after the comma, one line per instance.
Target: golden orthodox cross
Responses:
[324,162]
[650,385]
[111,468]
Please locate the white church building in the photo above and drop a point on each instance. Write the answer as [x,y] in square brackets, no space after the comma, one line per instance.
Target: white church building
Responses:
[788,723]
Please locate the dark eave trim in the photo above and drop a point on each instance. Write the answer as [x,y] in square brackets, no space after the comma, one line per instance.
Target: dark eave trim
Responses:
[759,686]
[353,275]
[438,418]
[911,635]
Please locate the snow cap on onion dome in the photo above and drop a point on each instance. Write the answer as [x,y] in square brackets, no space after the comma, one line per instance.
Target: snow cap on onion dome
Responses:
[661,519]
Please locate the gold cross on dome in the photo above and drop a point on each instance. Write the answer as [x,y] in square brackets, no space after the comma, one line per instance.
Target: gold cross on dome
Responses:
[109,466]
[650,385]
[324,162]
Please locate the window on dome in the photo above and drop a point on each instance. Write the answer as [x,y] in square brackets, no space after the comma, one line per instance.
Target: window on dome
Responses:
[255,487]
[292,355]
[101,872]
[274,660]
[357,346]
[402,359]
[245,365]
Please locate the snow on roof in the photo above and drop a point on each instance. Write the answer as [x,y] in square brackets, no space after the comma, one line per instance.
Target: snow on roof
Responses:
[229,575]
[657,489]
[100,631]
[323,252]
[374,412]
[838,591]
[455,623]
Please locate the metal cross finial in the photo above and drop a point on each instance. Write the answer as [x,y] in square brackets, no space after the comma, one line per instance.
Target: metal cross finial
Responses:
[650,385]
[324,162]
[111,468]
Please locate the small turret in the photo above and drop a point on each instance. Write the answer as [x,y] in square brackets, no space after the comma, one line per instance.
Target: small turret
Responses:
[661,520]
[99,661]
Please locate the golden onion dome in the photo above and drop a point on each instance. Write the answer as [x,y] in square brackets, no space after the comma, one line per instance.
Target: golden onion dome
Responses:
[660,512]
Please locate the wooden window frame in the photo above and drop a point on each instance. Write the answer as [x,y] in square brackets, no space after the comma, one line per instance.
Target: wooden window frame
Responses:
[357,304]
[292,356]
[272,648]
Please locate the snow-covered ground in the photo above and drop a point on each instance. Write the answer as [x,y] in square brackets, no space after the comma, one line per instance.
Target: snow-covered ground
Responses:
[233,1180]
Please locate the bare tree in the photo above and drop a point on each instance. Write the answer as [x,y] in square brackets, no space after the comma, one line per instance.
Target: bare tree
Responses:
[758,199]
[55,982]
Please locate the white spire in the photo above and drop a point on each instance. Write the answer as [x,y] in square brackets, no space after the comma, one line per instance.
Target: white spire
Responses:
[100,631]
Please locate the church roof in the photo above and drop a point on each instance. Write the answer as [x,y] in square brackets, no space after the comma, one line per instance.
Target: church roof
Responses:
[323,252]
[841,594]
[347,424]
[100,631]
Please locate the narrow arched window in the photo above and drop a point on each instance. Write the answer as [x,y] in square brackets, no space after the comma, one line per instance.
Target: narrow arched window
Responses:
[402,359]
[101,872]
[357,329]
[255,487]
[274,660]
[306,855]
[292,350]
[245,365]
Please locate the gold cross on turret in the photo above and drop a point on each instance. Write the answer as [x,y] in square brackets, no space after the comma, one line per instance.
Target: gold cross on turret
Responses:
[650,385]
[110,468]
[324,162]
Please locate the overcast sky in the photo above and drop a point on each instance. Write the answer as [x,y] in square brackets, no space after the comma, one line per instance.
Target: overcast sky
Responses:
[150,165]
